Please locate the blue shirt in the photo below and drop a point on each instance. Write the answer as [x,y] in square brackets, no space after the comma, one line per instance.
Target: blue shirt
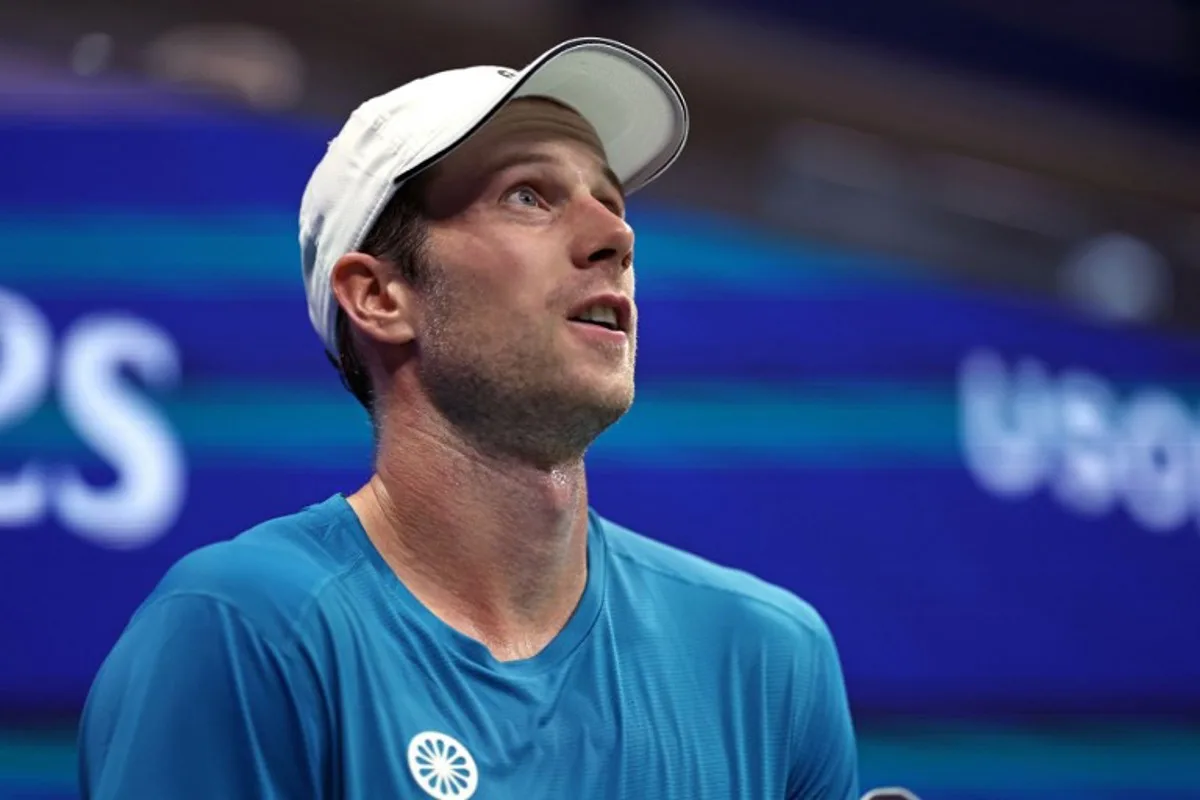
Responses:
[291,662]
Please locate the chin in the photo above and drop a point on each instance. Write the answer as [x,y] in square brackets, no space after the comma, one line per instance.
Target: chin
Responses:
[604,403]
[611,391]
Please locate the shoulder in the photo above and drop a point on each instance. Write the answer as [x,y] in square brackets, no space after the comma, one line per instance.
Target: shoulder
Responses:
[217,642]
[269,575]
[734,623]
[728,599]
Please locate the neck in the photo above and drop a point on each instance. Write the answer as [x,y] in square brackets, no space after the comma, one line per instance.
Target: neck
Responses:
[496,548]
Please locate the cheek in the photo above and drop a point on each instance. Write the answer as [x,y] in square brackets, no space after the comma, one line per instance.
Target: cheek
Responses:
[491,303]
[504,278]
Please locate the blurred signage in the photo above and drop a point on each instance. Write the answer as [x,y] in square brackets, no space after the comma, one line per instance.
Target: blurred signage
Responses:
[1026,430]
[83,377]
[992,503]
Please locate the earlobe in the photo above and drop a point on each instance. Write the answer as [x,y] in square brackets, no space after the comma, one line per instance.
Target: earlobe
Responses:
[374,298]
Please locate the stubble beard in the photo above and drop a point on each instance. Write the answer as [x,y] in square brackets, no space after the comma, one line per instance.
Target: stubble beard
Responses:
[512,397]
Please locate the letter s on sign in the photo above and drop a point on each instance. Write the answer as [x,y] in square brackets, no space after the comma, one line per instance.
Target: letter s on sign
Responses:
[123,428]
[102,408]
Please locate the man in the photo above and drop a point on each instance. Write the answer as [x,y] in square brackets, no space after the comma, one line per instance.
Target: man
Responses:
[465,624]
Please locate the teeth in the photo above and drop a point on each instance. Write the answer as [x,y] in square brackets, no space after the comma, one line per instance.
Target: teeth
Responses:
[605,315]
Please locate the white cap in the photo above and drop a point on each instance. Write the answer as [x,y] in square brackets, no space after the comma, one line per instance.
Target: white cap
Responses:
[633,104]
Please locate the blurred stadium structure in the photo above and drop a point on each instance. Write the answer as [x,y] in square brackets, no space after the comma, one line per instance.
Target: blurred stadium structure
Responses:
[921,308]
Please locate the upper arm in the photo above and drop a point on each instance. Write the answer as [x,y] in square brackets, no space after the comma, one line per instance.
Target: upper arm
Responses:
[193,703]
[825,753]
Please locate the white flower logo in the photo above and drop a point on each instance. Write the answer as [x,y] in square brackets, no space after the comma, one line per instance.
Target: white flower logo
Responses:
[442,766]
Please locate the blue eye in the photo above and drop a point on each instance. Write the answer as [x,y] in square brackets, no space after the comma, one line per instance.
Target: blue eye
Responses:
[525,196]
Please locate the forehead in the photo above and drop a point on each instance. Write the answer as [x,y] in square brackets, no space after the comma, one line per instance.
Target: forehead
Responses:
[524,124]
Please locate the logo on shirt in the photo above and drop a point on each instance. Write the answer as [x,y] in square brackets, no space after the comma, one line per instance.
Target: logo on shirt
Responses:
[442,767]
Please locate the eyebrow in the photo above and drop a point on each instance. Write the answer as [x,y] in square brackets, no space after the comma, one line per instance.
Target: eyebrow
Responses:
[521,158]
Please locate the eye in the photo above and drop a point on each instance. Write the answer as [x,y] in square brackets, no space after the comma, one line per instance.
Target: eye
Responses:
[525,196]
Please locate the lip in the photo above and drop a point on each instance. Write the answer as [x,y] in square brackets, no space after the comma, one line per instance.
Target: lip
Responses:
[618,302]
[599,336]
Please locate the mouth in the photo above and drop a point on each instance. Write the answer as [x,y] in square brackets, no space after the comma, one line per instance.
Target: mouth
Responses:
[612,312]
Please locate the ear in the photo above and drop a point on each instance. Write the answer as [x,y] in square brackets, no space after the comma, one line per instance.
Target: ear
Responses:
[374,298]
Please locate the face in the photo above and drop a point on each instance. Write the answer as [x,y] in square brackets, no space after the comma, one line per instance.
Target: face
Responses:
[527,242]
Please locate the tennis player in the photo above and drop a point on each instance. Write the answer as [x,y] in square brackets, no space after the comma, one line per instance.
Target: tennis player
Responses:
[466,624]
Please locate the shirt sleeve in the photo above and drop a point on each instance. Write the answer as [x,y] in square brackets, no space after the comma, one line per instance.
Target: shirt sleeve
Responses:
[193,703]
[826,751]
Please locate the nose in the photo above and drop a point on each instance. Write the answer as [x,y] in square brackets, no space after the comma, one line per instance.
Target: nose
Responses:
[603,238]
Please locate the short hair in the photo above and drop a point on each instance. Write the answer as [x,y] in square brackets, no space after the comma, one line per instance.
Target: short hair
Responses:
[399,237]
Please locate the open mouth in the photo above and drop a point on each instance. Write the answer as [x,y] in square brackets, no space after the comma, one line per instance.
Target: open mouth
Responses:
[607,314]
[608,320]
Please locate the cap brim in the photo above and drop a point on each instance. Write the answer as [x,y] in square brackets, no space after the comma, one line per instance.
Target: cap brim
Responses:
[634,106]
[636,109]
